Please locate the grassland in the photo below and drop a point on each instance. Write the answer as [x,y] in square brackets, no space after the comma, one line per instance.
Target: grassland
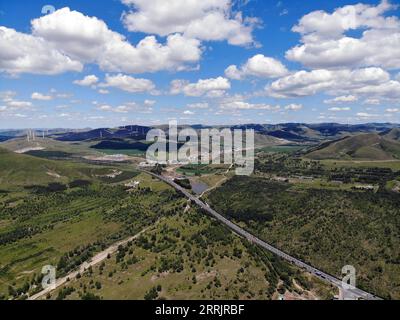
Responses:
[64,212]
[41,224]
[128,152]
[22,170]
[390,164]
[201,169]
[72,149]
[281,149]
[370,146]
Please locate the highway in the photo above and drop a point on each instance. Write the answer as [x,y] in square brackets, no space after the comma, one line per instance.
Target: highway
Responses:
[351,293]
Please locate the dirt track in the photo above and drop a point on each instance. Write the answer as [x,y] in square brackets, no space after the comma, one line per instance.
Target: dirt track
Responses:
[86,265]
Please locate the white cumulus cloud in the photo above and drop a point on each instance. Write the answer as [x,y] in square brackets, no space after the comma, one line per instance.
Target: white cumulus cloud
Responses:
[294,107]
[24,53]
[128,83]
[40,96]
[342,99]
[325,43]
[209,20]
[213,87]
[305,83]
[257,66]
[66,40]
[339,109]
[199,105]
[87,81]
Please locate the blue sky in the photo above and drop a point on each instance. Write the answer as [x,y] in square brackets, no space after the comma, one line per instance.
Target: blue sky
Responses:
[111,62]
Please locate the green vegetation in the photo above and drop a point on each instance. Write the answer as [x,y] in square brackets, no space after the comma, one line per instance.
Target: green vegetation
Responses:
[65,223]
[26,170]
[52,149]
[326,228]
[184,183]
[332,164]
[57,208]
[201,169]
[128,152]
[54,155]
[361,147]
[310,171]
[190,256]
[281,149]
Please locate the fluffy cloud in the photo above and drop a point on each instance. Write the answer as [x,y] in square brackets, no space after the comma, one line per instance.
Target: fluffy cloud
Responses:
[87,81]
[129,84]
[200,105]
[372,101]
[40,96]
[209,20]
[243,105]
[23,53]
[103,91]
[326,45]
[294,107]
[213,87]
[342,99]
[257,66]
[149,103]
[238,102]
[4,95]
[393,110]
[389,90]
[365,115]
[89,39]
[65,40]
[339,109]
[305,83]
[10,103]
[18,104]
[104,107]
[146,107]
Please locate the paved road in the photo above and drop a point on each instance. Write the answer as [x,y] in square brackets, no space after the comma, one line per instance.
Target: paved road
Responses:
[349,293]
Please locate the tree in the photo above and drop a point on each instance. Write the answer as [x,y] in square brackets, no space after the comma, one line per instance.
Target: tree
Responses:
[152,294]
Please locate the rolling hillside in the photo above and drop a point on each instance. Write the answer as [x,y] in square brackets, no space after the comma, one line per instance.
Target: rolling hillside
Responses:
[393,134]
[20,169]
[267,134]
[136,132]
[369,146]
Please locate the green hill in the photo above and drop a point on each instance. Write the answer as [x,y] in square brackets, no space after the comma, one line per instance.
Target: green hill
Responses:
[393,134]
[370,146]
[20,169]
[50,145]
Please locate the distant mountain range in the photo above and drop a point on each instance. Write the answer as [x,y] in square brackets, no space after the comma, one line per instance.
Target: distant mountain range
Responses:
[292,132]
[135,132]
[371,141]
